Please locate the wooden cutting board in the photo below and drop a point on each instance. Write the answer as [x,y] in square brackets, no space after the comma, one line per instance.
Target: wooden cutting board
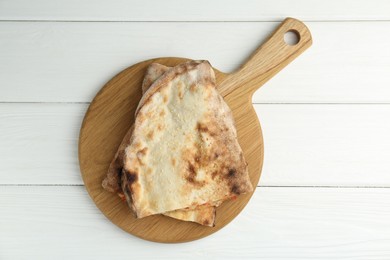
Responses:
[111,114]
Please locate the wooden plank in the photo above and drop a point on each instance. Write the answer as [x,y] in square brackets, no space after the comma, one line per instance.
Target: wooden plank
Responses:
[304,144]
[278,223]
[203,10]
[331,145]
[39,143]
[70,62]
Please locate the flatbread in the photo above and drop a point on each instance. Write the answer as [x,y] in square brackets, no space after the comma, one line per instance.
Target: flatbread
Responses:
[203,214]
[183,151]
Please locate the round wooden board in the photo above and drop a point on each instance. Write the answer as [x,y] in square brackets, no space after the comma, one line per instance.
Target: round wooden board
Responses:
[111,114]
[107,120]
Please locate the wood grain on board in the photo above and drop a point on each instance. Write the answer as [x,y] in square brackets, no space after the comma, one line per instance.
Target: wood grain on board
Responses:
[111,114]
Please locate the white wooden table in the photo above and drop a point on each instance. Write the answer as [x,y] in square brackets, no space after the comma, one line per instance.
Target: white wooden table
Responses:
[325,186]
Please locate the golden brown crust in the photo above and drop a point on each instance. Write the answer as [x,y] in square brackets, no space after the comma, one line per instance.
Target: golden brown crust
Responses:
[112,181]
[169,75]
[153,72]
[202,214]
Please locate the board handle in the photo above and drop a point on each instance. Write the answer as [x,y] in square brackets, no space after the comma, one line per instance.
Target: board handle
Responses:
[268,59]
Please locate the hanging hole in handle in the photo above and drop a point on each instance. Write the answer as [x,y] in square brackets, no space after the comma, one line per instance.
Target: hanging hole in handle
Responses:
[291,37]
